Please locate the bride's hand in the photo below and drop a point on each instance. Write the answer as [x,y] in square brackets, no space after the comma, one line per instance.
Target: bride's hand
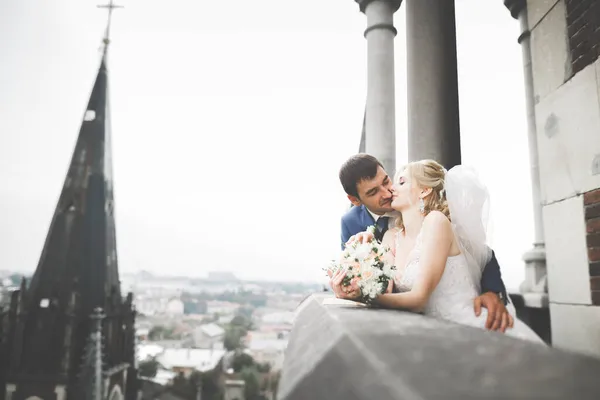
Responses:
[362,237]
[351,292]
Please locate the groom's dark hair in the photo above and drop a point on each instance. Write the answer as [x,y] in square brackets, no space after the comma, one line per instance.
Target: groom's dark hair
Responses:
[357,168]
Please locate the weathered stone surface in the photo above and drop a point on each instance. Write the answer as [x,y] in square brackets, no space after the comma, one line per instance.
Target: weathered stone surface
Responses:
[568,122]
[352,353]
[566,252]
[576,327]
[550,52]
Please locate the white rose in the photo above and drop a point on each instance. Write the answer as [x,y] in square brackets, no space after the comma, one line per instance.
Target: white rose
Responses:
[387,270]
[362,251]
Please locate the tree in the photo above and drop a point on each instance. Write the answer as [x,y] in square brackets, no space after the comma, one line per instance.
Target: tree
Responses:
[183,387]
[17,278]
[263,368]
[241,321]
[235,331]
[211,389]
[206,382]
[241,361]
[148,368]
[158,332]
[245,312]
[252,379]
[232,340]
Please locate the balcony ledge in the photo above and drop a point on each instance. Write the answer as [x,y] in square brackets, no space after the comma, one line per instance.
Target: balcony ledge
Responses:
[354,353]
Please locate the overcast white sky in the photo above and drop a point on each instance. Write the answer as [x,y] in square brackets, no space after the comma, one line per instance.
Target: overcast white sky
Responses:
[230,121]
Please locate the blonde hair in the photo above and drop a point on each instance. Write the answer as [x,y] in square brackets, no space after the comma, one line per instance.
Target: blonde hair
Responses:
[427,174]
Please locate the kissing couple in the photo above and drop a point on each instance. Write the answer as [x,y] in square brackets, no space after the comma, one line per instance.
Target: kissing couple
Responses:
[434,223]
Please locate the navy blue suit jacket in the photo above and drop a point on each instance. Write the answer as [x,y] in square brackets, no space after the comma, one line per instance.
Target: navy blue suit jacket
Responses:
[358,219]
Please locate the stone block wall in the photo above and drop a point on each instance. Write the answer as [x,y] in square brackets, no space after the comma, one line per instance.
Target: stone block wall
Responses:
[566,77]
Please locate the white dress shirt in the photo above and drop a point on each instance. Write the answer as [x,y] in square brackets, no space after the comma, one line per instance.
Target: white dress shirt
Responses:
[392,214]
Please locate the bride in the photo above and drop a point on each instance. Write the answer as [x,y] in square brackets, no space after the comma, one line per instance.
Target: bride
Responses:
[438,246]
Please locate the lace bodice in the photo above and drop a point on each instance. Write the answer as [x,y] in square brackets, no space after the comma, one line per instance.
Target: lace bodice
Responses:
[453,297]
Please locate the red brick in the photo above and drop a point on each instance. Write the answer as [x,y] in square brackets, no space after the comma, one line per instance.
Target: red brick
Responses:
[583,20]
[593,240]
[577,8]
[595,269]
[592,225]
[596,297]
[592,211]
[592,197]
[581,36]
[580,51]
[595,283]
[575,25]
[594,254]
[580,63]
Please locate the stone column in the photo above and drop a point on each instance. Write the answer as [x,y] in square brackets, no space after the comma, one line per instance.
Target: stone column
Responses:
[433,119]
[380,113]
[534,288]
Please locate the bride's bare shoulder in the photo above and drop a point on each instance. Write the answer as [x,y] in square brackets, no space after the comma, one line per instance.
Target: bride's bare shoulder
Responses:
[392,232]
[436,219]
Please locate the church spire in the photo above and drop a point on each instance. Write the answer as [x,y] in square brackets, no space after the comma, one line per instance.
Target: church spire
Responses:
[77,274]
[110,7]
[80,251]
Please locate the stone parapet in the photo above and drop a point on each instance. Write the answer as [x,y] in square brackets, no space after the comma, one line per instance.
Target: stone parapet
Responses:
[352,353]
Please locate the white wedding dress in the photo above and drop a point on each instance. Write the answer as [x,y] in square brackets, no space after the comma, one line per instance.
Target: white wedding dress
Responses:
[453,297]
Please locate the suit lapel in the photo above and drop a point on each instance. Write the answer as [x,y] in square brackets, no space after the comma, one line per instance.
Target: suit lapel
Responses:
[367,218]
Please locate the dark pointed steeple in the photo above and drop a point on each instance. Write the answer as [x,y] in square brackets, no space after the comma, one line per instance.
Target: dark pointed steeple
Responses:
[80,250]
[50,321]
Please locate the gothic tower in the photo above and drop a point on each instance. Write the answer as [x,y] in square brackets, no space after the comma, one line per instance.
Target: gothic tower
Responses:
[69,334]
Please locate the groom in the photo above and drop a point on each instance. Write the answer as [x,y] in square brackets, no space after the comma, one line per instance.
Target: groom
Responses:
[369,189]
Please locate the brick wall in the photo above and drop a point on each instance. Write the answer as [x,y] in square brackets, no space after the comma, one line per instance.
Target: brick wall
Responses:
[591,201]
[583,30]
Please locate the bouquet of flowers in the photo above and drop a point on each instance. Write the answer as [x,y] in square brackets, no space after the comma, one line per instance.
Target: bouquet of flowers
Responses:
[365,266]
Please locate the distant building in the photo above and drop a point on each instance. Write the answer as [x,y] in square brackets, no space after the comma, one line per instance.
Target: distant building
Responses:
[225,319]
[164,377]
[221,307]
[141,334]
[209,336]
[278,318]
[147,305]
[234,390]
[225,276]
[174,307]
[188,360]
[267,351]
[148,351]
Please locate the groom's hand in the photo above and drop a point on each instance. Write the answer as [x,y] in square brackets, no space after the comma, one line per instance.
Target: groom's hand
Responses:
[498,316]
[361,237]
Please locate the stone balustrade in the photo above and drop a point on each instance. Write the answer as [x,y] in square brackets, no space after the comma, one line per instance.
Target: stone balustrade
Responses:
[350,352]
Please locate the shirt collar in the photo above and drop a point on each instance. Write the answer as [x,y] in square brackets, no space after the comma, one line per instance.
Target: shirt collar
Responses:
[376,217]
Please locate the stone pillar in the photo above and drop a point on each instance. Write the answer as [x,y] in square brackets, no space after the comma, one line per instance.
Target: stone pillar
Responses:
[361,146]
[433,118]
[534,288]
[380,113]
